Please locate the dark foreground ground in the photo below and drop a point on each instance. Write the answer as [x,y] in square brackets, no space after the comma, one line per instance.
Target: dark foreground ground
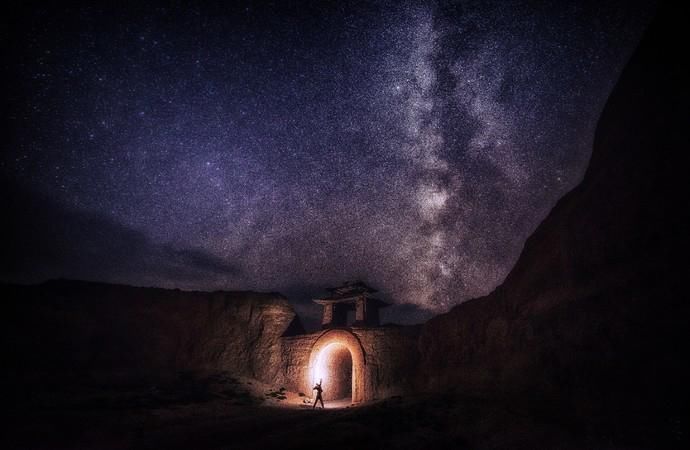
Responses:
[221,413]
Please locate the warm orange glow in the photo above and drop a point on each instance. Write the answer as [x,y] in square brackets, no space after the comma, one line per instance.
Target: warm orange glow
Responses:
[320,370]
[333,368]
[337,359]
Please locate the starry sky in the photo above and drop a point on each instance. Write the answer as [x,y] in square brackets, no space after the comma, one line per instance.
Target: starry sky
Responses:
[290,147]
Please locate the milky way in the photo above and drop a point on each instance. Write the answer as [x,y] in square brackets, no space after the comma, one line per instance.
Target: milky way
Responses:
[413,145]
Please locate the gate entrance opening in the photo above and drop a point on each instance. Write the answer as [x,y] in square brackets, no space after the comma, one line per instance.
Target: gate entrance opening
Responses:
[334,368]
[337,358]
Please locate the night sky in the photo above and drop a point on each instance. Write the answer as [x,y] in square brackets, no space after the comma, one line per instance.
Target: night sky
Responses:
[290,148]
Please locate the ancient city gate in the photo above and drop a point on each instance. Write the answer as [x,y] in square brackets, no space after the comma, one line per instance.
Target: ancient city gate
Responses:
[338,357]
[338,360]
[355,357]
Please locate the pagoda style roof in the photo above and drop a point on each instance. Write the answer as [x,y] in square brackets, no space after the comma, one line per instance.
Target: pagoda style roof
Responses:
[353,299]
[351,288]
[349,292]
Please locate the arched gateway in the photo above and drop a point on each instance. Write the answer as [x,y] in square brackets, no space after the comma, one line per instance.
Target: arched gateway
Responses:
[357,359]
[337,357]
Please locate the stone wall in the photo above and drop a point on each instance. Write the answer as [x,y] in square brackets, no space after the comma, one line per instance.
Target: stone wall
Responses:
[386,367]
[391,359]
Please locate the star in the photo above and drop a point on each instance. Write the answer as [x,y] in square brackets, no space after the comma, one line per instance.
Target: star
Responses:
[412,145]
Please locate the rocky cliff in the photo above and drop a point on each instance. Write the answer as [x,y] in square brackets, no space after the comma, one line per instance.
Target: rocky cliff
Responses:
[68,331]
[592,317]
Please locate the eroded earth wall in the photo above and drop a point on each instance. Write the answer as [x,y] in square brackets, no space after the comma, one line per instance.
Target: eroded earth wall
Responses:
[593,317]
[68,331]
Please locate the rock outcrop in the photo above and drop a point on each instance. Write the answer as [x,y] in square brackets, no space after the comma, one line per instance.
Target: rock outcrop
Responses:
[80,332]
[592,317]
[76,333]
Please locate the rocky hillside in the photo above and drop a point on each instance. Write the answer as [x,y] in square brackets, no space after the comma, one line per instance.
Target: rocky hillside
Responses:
[78,332]
[593,316]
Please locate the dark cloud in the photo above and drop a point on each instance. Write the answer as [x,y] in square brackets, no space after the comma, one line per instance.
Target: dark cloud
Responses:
[42,239]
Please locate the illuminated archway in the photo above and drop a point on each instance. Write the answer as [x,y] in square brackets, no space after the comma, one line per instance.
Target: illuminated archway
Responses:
[328,360]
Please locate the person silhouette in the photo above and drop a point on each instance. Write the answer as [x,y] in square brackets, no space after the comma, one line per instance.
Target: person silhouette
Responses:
[318,390]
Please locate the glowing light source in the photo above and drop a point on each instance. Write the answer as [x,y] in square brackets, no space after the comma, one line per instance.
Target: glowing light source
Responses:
[321,370]
[338,360]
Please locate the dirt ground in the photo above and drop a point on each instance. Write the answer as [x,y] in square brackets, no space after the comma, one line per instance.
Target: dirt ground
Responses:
[223,412]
